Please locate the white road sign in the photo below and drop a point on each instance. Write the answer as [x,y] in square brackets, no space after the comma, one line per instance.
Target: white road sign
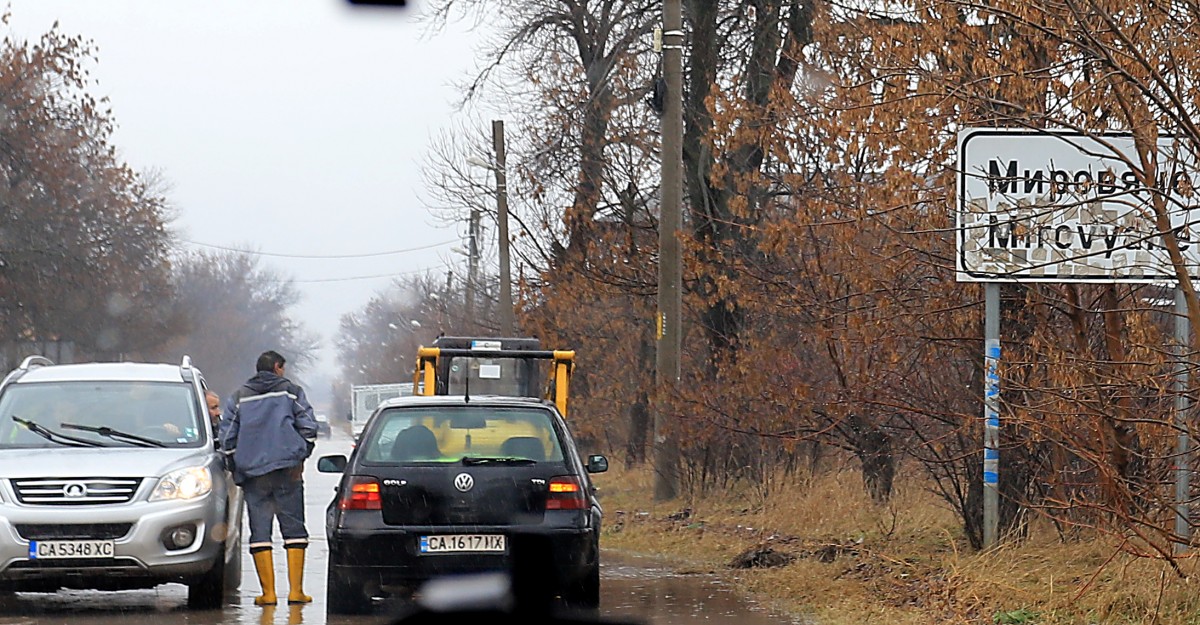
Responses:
[1066,207]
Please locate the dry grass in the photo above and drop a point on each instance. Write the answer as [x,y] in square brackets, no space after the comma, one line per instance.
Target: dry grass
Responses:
[902,563]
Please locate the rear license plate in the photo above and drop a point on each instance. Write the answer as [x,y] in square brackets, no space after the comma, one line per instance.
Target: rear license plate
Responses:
[460,543]
[62,549]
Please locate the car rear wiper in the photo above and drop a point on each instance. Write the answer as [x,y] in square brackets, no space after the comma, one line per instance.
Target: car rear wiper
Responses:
[118,435]
[55,437]
[477,460]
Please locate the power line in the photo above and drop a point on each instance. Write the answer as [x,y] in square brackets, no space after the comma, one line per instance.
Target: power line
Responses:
[371,277]
[318,256]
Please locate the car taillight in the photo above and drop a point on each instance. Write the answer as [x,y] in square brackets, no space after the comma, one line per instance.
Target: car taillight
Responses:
[363,494]
[566,493]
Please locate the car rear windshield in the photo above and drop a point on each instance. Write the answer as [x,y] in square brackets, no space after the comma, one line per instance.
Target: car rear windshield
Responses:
[447,434]
[165,412]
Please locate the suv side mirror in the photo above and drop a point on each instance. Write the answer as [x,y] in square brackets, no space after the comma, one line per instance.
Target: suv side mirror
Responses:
[331,464]
[597,464]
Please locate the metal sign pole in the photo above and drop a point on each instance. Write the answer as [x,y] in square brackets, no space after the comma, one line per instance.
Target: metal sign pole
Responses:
[1183,523]
[1015,223]
[991,415]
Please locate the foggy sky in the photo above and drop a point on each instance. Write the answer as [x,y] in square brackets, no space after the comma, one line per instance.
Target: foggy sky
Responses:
[284,126]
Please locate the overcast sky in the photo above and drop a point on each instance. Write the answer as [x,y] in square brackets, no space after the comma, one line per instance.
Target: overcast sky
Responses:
[292,127]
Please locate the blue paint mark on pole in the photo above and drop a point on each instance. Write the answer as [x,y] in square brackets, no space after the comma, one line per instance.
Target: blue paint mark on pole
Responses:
[991,408]
[991,415]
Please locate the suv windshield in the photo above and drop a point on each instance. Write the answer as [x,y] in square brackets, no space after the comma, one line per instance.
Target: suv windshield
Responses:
[161,412]
[470,434]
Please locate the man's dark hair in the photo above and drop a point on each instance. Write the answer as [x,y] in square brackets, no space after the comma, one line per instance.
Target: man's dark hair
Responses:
[269,360]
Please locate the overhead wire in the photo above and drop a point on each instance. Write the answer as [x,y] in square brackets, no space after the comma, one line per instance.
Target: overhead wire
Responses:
[318,256]
[396,274]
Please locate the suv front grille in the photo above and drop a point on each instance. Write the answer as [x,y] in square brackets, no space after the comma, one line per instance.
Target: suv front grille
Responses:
[75,491]
[94,531]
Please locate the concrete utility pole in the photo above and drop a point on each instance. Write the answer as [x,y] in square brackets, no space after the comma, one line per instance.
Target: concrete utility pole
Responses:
[444,317]
[669,321]
[472,269]
[507,327]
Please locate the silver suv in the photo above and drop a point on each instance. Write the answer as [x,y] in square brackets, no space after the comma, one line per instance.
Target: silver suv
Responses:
[110,479]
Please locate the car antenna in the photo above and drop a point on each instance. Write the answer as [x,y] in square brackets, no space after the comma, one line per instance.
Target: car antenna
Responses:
[467,388]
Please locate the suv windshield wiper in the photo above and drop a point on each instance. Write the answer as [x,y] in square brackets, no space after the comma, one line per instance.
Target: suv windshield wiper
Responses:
[55,437]
[477,460]
[118,435]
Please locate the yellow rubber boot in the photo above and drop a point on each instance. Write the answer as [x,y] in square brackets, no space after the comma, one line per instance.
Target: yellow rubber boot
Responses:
[295,560]
[265,565]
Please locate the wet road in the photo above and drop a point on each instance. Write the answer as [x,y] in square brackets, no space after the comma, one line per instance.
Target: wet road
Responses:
[632,589]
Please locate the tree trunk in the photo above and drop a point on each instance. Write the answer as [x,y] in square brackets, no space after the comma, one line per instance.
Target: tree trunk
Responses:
[878,465]
[873,446]
[723,228]
[639,411]
[1126,457]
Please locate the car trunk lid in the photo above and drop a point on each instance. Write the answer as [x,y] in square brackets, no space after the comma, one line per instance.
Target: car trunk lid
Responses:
[467,495]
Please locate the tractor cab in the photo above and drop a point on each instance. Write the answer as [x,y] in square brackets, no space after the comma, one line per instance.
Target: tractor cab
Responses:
[514,367]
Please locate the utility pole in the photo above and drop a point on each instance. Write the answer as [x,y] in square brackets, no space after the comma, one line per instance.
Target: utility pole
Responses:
[444,317]
[669,330]
[472,270]
[506,298]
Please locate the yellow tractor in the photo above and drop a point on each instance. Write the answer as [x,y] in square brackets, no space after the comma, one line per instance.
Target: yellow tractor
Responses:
[493,366]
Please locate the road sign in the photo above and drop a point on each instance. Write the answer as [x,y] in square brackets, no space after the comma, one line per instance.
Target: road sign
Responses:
[1067,207]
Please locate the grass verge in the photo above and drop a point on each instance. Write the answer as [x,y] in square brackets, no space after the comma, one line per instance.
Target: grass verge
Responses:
[907,562]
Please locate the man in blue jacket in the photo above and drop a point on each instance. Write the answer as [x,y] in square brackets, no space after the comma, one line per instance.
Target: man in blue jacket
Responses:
[267,432]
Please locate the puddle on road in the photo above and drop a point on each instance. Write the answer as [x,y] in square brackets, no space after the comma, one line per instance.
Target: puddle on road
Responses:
[642,589]
[634,589]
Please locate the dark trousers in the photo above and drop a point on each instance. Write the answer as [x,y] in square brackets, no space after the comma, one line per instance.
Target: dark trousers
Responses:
[276,495]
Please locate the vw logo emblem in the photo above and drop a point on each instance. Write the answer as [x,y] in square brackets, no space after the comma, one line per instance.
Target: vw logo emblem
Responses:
[75,490]
[464,482]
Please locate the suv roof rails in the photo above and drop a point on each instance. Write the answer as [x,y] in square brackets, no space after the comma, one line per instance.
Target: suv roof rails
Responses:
[186,370]
[29,363]
[35,361]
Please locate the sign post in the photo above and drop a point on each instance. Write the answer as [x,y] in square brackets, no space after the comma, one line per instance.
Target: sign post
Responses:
[991,414]
[1183,444]
[1048,206]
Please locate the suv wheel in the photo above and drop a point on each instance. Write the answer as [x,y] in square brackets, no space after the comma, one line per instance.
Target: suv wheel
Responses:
[208,591]
[345,595]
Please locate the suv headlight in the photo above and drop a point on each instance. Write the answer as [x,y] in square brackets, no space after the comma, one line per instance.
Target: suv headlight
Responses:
[188,483]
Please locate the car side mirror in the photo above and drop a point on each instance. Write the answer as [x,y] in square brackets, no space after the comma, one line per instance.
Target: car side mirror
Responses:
[331,464]
[597,464]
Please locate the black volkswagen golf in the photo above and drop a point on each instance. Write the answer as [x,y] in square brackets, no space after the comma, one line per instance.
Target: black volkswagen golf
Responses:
[445,485]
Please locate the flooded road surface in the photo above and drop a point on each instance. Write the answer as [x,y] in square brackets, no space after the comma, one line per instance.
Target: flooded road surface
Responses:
[633,589]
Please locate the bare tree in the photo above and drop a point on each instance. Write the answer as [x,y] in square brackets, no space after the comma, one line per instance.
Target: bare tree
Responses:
[232,310]
[83,243]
